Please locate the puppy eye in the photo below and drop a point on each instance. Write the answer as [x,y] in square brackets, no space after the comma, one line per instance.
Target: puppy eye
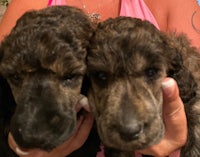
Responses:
[15,79]
[69,79]
[151,72]
[101,76]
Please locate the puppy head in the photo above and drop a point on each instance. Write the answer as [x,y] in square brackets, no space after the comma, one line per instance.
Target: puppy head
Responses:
[43,60]
[127,60]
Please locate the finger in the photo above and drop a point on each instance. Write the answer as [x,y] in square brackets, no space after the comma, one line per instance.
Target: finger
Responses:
[23,152]
[84,124]
[174,113]
[171,99]
[84,130]
[174,119]
[173,107]
[15,147]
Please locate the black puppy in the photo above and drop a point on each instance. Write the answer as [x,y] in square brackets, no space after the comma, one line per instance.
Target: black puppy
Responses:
[127,61]
[43,62]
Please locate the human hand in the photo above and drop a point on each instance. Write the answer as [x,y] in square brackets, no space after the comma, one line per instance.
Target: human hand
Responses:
[175,122]
[84,126]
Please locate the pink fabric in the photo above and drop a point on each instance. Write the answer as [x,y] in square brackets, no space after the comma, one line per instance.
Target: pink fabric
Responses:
[174,154]
[101,153]
[137,9]
[56,2]
[138,154]
[131,8]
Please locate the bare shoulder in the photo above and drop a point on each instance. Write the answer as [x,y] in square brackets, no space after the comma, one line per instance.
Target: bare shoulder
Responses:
[15,9]
[159,10]
[184,16]
[182,10]
[181,16]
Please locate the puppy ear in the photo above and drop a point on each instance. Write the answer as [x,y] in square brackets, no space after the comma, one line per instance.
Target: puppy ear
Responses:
[180,50]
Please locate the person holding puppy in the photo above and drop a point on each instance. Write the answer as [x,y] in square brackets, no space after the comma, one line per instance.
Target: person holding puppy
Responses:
[166,16]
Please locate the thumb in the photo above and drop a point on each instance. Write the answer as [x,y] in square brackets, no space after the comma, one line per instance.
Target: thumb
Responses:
[175,121]
[171,100]
[173,111]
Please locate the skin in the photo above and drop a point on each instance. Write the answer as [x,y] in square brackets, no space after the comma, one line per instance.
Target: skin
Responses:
[177,16]
[169,18]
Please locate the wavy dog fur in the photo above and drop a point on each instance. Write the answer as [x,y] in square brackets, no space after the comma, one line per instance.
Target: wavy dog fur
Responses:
[43,61]
[127,60]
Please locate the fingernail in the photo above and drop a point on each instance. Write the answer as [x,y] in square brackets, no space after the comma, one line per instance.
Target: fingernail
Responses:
[85,104]
[20,152]
[168,86]
[13,144]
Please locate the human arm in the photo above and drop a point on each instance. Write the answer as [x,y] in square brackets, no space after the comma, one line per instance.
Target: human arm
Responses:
[15,9]
[175,122]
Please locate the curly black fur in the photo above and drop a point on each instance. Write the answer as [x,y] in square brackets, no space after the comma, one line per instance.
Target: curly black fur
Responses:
[42,65]
[127,60]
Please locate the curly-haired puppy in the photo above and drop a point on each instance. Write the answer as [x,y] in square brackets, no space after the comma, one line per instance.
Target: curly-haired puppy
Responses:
[127,61]
[43,61]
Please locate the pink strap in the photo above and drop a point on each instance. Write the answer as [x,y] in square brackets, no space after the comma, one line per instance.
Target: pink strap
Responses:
[49,3]
[174,154]
[137,9]
[56,2]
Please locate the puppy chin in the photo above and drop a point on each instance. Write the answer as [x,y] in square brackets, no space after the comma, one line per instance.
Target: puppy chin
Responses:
[145,138]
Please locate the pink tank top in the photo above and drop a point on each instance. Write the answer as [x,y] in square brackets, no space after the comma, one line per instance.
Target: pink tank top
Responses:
[56,2]
[137,9]
[131,8]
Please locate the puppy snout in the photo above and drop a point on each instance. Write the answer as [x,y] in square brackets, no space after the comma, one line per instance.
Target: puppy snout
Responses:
[130,127]
[130,132]
[43,131]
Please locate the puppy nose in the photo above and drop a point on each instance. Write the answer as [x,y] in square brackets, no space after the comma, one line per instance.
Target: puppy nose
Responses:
[130,132]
